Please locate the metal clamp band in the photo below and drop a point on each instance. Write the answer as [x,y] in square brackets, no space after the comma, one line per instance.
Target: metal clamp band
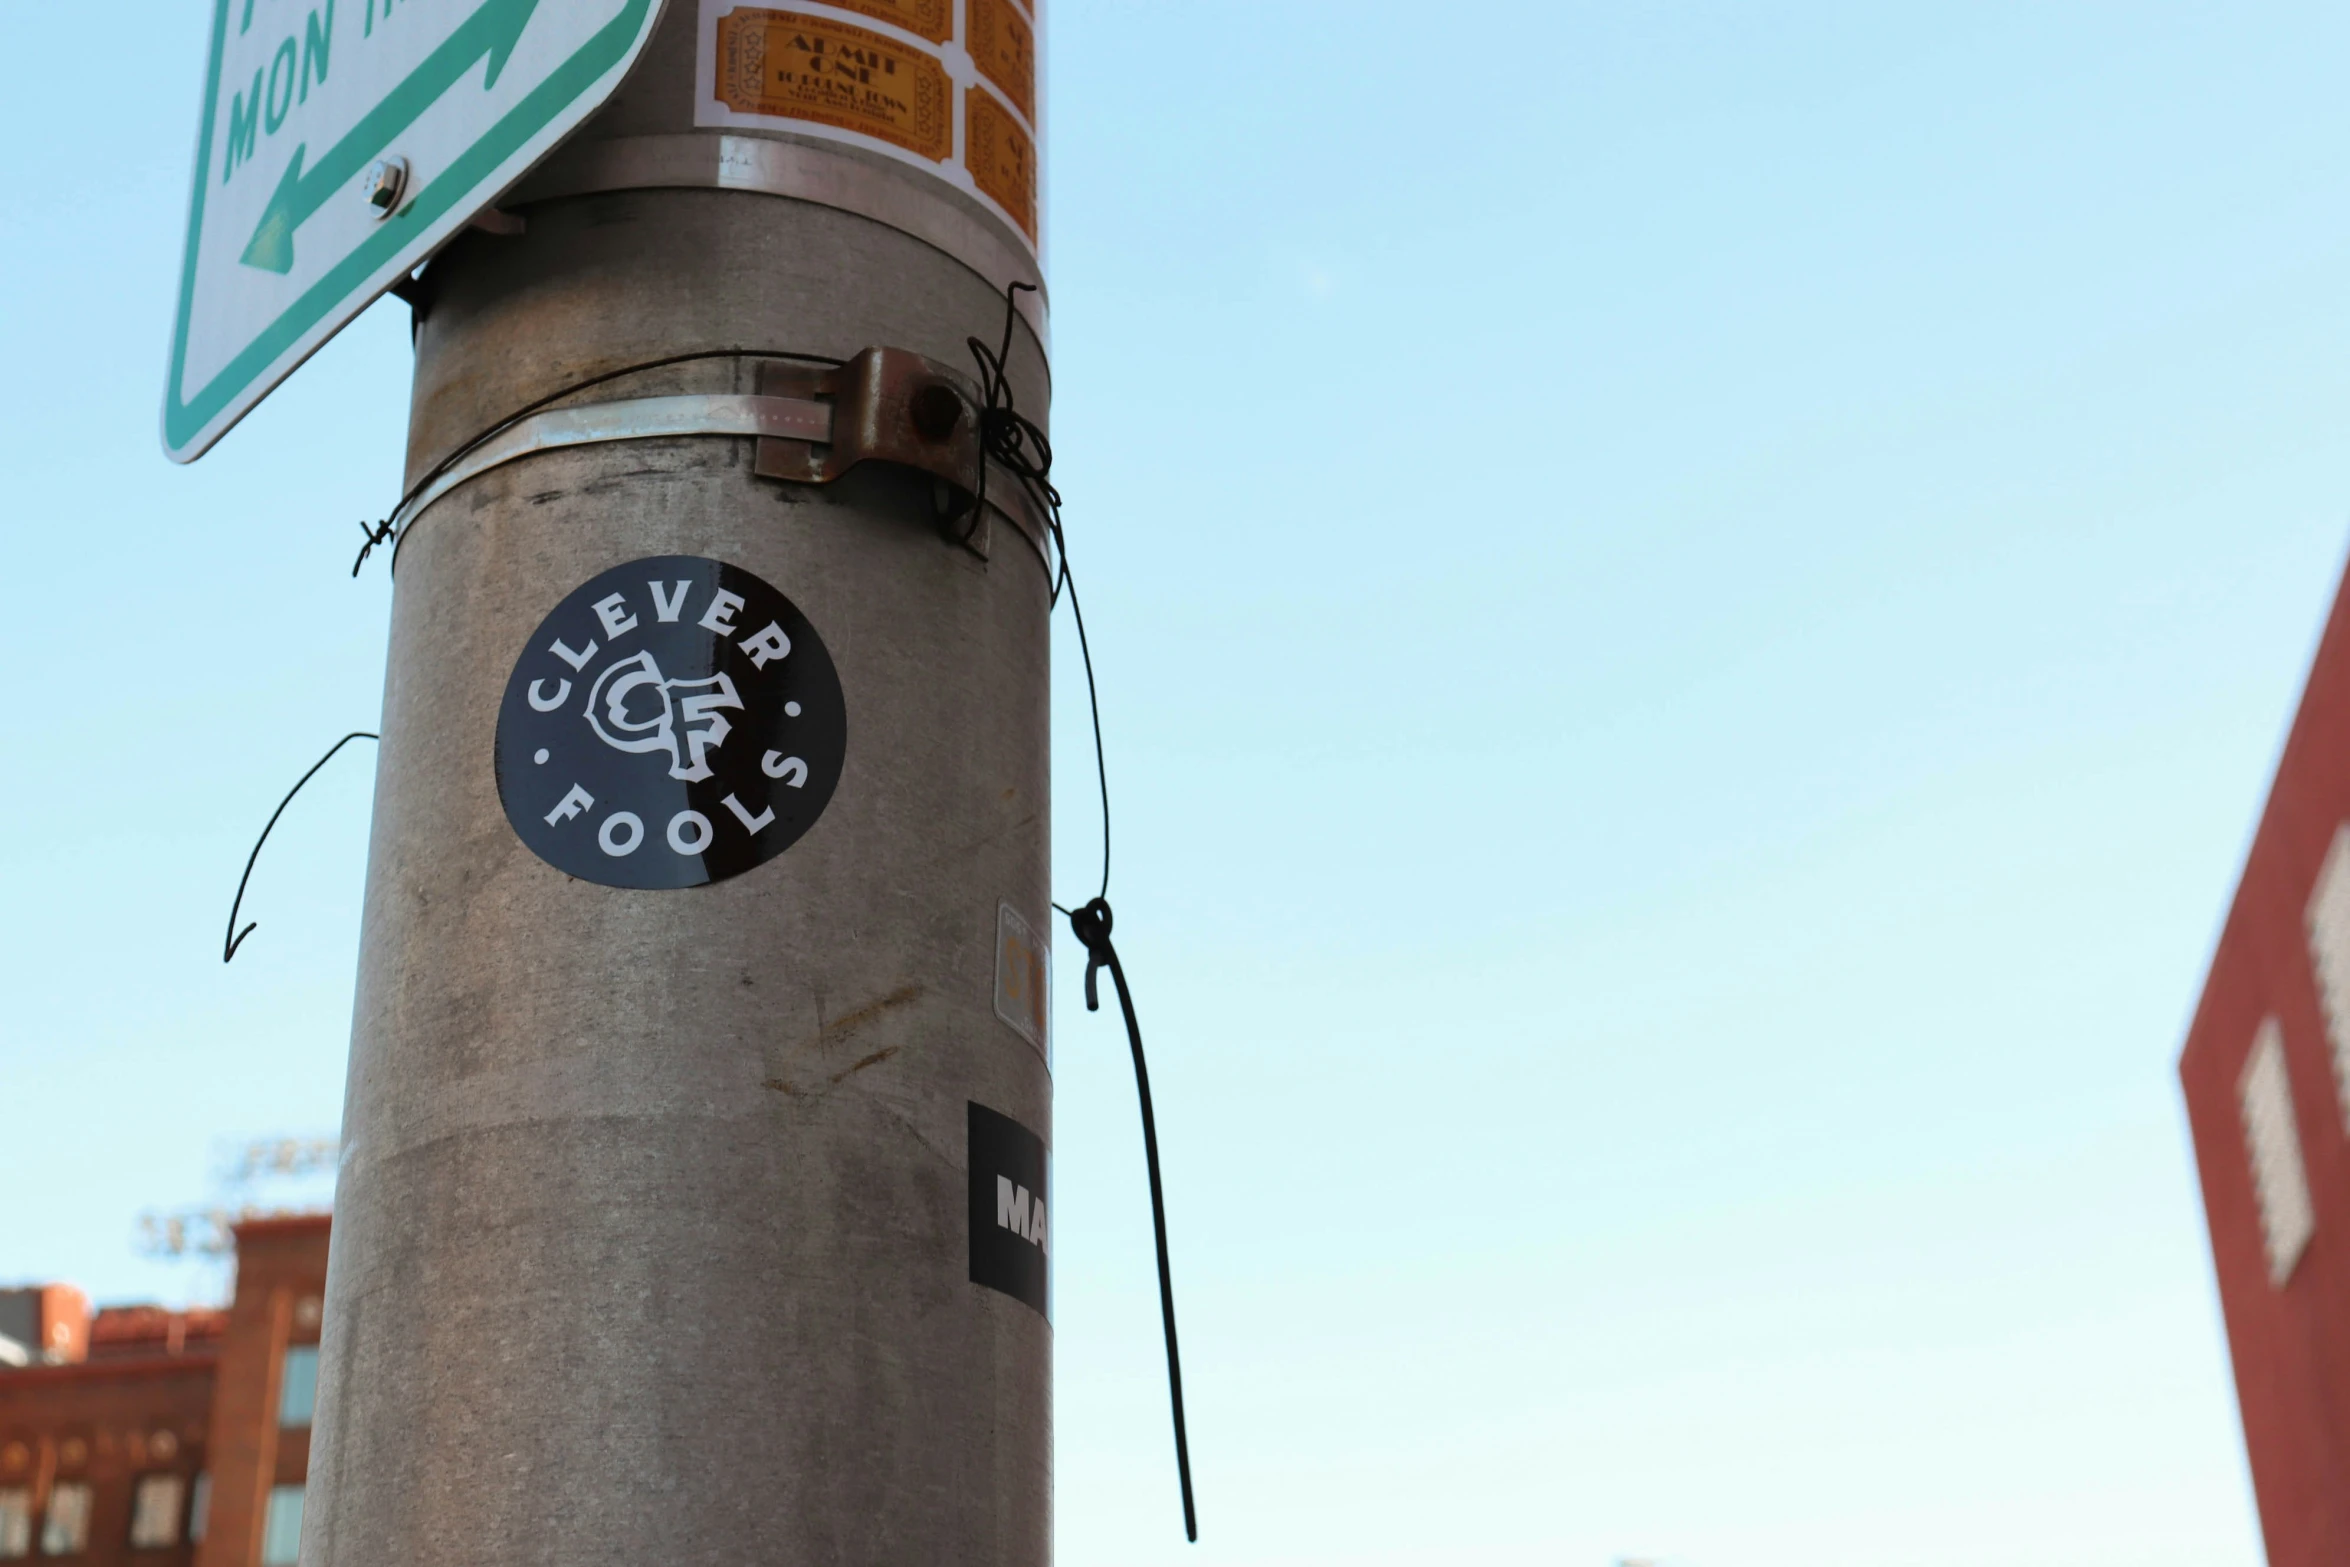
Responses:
[884,405]
[634,419]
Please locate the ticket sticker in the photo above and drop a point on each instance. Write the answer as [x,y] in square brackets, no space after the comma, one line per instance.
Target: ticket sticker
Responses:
[799,67]
[1003,46]
[931,19]
[947,86]
[1001,158]
[1024,980]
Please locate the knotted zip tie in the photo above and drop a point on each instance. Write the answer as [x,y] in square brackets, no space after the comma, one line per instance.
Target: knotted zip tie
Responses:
[1092,923]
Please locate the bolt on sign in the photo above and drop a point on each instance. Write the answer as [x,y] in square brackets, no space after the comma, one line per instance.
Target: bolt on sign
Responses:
[341,143]
[946,87]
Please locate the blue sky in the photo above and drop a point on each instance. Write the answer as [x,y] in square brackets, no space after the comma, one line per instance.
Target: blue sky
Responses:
[1694,606]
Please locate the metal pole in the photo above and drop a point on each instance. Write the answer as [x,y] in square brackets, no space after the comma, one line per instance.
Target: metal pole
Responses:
[657,1227]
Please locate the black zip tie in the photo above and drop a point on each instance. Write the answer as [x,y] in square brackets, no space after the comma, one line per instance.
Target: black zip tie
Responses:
[501,426]
[236,937]
[1092,925]
[377,533]
[1012,439]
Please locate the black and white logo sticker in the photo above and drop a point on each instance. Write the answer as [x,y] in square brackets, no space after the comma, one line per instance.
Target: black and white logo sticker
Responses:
[1008,1248]
[675,721]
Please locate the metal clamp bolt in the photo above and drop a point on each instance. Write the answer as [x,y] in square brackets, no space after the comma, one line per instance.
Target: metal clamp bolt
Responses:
[889,405]
[934,411]
[386,182]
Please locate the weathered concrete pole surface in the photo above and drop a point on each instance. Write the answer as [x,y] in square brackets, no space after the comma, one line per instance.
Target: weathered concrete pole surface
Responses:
[653,1237]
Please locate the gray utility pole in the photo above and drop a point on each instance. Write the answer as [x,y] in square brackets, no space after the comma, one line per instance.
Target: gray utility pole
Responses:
[692,1206]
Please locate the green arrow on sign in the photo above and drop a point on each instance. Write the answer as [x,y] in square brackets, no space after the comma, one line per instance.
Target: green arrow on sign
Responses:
[492,30]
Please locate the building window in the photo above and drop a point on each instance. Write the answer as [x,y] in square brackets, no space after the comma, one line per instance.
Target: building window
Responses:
[155,1512]
[65,1531]
[2327,922]
[199,1507]
[2280,1183]
[16,1523]
[298,1387]
[281,1534]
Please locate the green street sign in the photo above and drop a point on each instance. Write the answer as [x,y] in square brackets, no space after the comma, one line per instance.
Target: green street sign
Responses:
[342,143]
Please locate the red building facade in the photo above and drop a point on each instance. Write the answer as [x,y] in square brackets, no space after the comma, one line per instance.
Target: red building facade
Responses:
[152,1438]
[2266,1072]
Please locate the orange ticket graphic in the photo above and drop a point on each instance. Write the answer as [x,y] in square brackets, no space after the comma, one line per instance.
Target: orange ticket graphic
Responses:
[931,19]
[1000,156]
[1003,46]
[799,67]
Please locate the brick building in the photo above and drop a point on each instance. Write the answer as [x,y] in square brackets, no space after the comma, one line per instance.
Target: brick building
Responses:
[2266,1071]
[154,1438]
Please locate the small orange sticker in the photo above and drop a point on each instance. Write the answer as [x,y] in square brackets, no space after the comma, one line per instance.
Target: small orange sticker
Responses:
[931,19]
[1023,980]
[1000,156]
[1003,46]
[805,68]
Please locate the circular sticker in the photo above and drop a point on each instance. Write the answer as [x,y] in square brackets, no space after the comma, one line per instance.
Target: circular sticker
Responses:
[675,721]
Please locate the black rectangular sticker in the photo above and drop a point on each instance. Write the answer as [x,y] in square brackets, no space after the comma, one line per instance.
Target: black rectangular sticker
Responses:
[1007,1207]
